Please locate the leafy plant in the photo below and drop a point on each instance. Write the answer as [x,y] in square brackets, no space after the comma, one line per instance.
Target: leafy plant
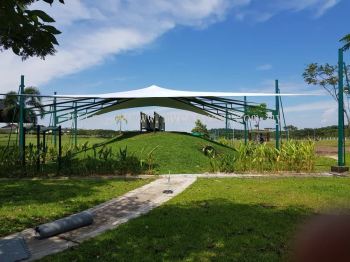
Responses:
[25,31]
[151,160]
[226,142]
[223,163]
[293,156]
[72,161]
[123,153]
[85,147]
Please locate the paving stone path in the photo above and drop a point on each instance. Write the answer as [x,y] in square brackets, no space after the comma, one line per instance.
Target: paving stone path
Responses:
[109,215]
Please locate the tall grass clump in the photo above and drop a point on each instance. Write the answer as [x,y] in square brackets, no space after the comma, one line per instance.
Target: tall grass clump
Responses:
[293,156]
[226,142]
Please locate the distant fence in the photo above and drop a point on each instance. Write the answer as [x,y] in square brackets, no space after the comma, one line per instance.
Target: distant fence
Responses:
[238,134]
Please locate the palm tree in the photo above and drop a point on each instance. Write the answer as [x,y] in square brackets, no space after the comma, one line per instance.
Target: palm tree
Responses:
[346,41]
[119,119]
[10,113]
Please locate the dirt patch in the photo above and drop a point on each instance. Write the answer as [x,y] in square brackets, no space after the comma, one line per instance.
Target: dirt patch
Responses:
[327,150]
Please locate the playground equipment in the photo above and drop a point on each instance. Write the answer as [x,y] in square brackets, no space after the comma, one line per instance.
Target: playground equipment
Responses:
[148,123]
[159,122]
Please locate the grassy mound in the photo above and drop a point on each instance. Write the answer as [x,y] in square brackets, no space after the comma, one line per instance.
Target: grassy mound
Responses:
[173,152]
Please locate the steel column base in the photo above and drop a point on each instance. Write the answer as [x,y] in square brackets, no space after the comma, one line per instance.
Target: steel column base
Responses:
[339,169]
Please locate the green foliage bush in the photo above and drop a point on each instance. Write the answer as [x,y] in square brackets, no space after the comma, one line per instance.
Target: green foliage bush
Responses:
[74,161]
[226,142]
[200,128]
[293,156]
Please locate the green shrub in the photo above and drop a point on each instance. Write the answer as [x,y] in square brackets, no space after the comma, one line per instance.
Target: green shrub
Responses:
[226,142]
[148,161]
[74,161]
[223,163]
[293,156]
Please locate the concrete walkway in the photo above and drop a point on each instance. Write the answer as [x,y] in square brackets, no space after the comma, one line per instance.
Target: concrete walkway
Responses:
[252,175]
[109,215]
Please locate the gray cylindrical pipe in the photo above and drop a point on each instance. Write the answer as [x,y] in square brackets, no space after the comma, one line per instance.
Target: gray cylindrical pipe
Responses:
[65,224]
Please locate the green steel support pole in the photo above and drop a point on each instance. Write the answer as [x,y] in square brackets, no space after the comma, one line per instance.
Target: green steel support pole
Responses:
[38,147]
[24,148]
[75,124]
[54,121]
[59,148]
[277,113]
[44,146]
[21,120]
[340,108]
[226,123]
[245,122]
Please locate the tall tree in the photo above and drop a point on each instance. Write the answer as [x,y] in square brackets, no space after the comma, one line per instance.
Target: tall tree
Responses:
[119,120]
[10,113]
[27,32]
[200,128]
[257,113]
[326,77]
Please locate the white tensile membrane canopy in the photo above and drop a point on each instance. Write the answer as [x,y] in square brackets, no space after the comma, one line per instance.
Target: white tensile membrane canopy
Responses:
[156,91]
[158,96]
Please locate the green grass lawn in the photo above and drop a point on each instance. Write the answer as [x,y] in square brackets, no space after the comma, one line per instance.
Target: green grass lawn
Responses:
[323,164]
[219,220]
[27,203]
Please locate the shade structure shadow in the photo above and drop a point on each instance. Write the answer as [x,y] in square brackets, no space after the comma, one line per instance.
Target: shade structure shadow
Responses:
[210,230]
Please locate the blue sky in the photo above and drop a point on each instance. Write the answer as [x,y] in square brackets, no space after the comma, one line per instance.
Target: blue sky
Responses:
[216,45]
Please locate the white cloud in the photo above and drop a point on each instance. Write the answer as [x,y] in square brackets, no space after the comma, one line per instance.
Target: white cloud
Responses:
[314,114]
[315,106]
[94,50]
[264,67]
[326,6]
[69,13]
[97,30]
[261,12]
[329,116]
